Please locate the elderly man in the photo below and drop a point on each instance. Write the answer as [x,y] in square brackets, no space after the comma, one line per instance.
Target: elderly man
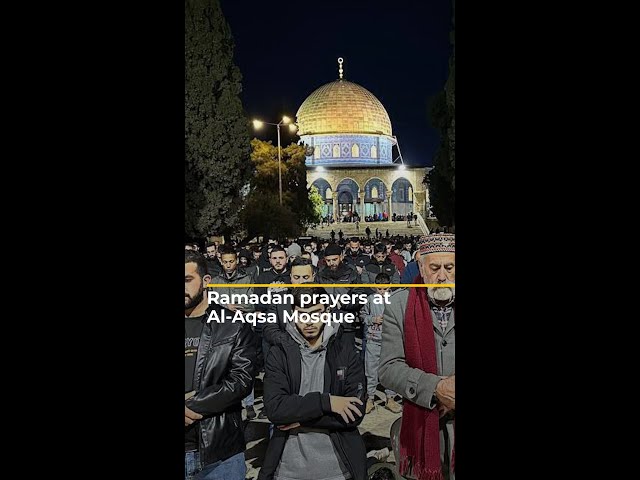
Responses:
[418,361]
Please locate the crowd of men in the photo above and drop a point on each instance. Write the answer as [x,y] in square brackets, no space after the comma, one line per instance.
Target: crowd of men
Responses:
[351,217]
[320,379]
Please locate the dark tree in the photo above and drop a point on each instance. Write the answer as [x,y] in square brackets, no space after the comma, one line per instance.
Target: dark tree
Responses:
[442,179]
[217,149]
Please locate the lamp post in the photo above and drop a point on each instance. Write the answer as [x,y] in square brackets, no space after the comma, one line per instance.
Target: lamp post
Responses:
[257,124]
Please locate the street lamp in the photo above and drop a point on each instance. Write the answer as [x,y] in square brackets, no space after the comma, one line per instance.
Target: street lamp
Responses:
[257,124]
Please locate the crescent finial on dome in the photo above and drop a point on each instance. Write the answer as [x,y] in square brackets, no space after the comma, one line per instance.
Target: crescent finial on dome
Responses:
[340,60]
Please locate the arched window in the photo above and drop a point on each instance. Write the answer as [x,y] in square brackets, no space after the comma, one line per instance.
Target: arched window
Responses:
[374,192]
[328,194]
[316,151]
[374,151]
[336,151]
[355,151]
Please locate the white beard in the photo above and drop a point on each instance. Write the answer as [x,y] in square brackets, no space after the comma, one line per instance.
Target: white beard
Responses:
[441,295]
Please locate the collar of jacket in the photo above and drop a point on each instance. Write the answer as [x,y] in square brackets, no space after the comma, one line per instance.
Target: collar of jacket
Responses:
[343,272]
[239,272]
[289,341]
[283,272]
[375,266]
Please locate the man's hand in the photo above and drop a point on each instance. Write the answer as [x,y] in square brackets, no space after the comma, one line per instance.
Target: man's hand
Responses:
[190,416]
[291,426]
[377,320]
[446,392]
[345,407]
[232,307]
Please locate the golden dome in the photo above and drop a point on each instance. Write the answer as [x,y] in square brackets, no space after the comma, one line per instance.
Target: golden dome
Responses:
[342,107]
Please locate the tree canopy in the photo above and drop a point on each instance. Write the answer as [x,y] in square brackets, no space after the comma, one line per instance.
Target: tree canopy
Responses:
[263,214]
[217,149]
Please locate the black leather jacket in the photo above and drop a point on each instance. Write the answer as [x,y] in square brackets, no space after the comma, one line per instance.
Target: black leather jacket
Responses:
[223,376]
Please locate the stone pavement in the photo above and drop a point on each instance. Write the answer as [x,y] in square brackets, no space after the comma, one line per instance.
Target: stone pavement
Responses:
[349,229]
[374,430]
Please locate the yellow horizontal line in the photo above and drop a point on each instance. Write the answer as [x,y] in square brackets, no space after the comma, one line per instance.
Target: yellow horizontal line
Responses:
[331,285]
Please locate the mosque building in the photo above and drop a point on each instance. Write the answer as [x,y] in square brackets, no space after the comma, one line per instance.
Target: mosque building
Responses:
[351,149]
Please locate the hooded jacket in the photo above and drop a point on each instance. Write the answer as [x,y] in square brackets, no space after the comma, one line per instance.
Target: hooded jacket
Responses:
[311,450]
[238,276]
[284,404]
[373,268]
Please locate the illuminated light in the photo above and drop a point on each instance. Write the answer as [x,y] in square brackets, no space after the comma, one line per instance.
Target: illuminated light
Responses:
[401,167]
[286,119]
[257,124]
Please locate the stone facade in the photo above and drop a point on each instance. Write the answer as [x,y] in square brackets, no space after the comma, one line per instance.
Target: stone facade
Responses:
[363,203]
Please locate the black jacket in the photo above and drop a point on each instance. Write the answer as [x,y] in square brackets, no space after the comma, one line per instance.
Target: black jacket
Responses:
[263,261]
[223,376]
[283,405]
[213,266]
[252,270]
[270,276]
[275,333]
[373,268]
[349,253]
[343,274]
[346,275]
[361,260]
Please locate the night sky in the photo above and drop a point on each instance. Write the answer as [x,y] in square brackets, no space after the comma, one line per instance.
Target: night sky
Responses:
[397,49]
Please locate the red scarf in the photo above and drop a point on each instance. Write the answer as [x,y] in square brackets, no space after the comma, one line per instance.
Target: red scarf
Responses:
[420,432]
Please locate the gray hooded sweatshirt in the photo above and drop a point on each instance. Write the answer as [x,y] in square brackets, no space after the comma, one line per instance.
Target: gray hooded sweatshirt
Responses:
[309,453]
